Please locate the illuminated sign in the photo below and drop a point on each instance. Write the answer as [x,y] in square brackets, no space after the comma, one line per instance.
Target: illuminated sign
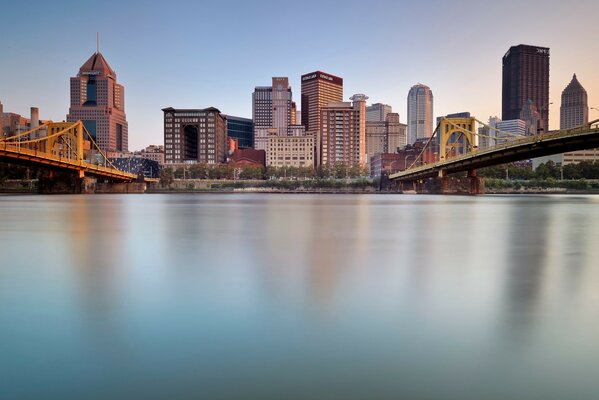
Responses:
[308,77]
[90,73]
[542,51]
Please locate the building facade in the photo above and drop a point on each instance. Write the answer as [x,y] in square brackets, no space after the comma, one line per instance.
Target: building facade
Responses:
[343,132]
[272,108]
[318,90]
[242,130]
[377,112]
[526,77]
[420,113]
[574,111]
[194,136]
[290,151]
[510,130]
[385,136]
[98,100]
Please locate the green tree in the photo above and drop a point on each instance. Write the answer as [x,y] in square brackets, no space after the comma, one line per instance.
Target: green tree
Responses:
[166,177]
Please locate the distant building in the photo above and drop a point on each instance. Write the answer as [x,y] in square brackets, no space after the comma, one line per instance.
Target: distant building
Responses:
[526,77]
[241,129]
[420,113]
[515,127]
[377,112]
[343,132]
[531,116]
[153,152]
[386,163]
[194,136]
[251,157]
[574,111]
[318,90]
[271,109]
[385,136]
[488,134]
[290,151]
[99,101]
[12,124]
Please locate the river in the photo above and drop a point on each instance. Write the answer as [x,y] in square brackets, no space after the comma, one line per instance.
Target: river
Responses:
[296,296]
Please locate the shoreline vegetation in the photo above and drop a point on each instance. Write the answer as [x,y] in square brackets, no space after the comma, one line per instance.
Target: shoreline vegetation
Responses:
[548,178]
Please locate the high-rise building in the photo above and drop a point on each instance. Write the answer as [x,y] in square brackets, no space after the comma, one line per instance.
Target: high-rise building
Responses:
[343,132]
[385,136]
[99,101]
[420,113]
[377,112]
[271,109]
[318,90]
[194,136]
[526,77]
[574,111]
[241,129]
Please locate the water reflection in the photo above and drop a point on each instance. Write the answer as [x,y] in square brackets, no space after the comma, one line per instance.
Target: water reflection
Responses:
[298,296]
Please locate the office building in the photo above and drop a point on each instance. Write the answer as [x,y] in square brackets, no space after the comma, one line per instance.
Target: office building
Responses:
[343,132]
[574,111]
[526,77]
[98,100]
[385,136]
[420,113]
[242,130]
[194,136]
[318,90]
[290,151]
[271,109]
[153,152]
[377,112]
[510,130]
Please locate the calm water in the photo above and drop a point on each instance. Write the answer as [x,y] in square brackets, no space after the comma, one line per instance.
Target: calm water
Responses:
[299,297]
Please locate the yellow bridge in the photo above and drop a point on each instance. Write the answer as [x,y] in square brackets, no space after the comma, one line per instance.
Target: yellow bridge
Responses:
[62,146]
[453,148]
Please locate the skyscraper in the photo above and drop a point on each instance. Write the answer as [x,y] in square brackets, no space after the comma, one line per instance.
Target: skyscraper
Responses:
[99,101]
[526,77]
[271,110]
[318,90]
[420,113]
[574,110]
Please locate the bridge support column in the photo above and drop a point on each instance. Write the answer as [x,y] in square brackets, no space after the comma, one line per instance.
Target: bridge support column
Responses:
[61,183]
[451,185]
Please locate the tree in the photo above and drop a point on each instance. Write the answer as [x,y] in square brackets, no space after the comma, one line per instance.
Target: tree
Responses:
[166,177]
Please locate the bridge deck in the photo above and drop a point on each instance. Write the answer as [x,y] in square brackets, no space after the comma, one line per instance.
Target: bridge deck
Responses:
[12,152]
[554,142]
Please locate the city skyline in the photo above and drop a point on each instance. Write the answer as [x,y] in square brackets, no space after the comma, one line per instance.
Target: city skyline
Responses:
[466,81]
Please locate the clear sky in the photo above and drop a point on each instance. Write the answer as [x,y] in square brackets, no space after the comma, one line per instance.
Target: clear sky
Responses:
[196,54]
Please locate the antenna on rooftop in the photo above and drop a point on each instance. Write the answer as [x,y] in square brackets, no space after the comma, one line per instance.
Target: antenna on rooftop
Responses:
[97,42]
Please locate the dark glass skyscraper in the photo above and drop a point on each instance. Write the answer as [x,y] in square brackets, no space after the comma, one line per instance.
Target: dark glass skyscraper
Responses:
[526,77]
[241,129]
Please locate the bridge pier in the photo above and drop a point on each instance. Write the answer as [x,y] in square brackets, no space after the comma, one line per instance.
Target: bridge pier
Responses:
[471,185]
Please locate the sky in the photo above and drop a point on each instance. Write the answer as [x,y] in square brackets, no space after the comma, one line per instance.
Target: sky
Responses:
[197,54]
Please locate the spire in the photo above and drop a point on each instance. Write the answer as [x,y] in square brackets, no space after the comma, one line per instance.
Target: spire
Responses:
[97,42]
[574,85]
[98,64]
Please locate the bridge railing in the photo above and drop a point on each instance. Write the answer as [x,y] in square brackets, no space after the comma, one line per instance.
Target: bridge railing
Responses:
[81,165]
[509,143]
